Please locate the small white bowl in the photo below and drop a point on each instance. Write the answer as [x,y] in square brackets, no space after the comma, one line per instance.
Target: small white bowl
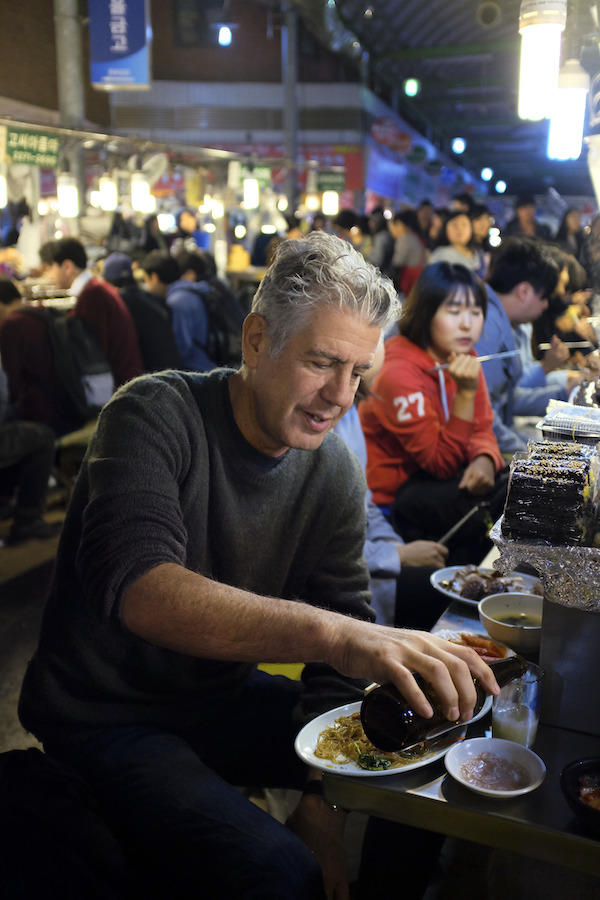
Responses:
[464,751]
[498,607]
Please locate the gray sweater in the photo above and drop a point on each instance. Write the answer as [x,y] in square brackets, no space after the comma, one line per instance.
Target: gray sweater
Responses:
[169,478]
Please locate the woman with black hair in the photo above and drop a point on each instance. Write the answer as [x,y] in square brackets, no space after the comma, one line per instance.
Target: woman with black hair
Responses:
[432,454]
[570,234]
[456,244]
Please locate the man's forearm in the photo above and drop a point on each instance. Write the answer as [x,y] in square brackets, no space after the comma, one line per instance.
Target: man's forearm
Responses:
[189,613]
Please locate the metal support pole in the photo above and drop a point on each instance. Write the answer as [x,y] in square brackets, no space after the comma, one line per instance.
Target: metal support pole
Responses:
[289,70]
[70,82]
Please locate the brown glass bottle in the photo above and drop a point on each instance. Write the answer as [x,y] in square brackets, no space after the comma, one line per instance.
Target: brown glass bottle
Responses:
[390,723]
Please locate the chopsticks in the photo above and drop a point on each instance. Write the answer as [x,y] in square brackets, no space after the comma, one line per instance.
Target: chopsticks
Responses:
[452,531]
[572,345]
[503,355]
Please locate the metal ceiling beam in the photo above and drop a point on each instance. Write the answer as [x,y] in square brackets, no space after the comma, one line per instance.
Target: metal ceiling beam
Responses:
[480,48]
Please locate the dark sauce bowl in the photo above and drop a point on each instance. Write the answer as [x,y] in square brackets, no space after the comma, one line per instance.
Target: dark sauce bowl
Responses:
[587,817]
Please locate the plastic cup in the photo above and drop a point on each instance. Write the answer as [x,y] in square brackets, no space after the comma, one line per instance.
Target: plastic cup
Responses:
[516,709]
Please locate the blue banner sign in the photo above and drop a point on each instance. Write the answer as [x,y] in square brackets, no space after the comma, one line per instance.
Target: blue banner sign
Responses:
[119,44]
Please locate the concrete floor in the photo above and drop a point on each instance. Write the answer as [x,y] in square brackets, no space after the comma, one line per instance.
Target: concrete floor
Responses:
[21,603]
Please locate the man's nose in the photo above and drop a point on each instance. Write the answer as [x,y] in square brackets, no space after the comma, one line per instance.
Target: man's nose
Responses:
[339,390]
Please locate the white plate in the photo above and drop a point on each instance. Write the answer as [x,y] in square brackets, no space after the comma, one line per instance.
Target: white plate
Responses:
[509,750]
[306,742]
[449,573]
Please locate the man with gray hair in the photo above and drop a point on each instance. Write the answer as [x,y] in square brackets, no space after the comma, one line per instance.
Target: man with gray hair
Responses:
[217,524]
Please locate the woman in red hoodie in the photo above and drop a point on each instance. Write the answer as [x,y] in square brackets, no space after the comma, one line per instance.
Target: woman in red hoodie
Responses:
[432,454]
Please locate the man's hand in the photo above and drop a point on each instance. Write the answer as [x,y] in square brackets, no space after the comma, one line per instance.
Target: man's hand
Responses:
[385,654]
[478,477]
[422,553]
[555,356]
[321,829]
[574,378]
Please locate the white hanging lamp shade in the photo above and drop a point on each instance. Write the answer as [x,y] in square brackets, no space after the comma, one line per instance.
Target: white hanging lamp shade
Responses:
[107,188]
[3,188]
[140,192]
[565,135]
[541,23]
[67,195]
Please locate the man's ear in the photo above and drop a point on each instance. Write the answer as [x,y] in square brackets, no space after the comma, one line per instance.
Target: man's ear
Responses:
[255,342]
[522,290]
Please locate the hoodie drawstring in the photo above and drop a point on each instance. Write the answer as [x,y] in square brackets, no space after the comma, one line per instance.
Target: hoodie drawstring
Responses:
[443,395]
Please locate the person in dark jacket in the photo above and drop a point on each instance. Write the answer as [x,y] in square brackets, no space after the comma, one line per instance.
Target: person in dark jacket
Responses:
[150,313]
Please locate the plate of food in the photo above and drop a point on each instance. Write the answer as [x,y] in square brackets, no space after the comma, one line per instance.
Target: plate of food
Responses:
[336,743]
[470,584]
[488,649]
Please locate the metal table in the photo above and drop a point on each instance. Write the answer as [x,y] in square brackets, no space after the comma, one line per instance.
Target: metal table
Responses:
[538,825]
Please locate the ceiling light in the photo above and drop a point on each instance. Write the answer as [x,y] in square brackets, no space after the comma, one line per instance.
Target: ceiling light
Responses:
[459,145]
[225,35]
[487,174]
[565,135]
[500,187]
[412,86]
[541,23]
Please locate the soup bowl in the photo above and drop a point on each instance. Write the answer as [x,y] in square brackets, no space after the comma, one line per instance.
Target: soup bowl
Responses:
[514,619]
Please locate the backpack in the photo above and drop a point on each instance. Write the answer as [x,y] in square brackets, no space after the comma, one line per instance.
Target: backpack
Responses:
[225,320]
[83,377]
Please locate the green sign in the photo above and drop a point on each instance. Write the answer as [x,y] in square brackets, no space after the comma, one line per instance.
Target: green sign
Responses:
[35,148]
[331,181]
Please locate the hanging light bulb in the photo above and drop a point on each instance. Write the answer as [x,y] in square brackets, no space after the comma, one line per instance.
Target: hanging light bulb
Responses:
[331,203]
[565,135]
[140,192]
[541,23]
[3,187]
[67,195]
[251,193]
[107,188]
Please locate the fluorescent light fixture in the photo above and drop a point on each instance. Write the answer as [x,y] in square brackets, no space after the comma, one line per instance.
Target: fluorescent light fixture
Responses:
[107,188]
[593,161]
[282,204]
[210,227]
[140,192]
[239,231]
[487,174]
[565,135]
[541,23]
[268,228]
[95,199]
[459,145]
[331,203]
[312,202]
[68,195]
[251,193]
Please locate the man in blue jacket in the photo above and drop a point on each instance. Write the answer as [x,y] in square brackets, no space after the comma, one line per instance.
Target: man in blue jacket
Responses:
[522,276]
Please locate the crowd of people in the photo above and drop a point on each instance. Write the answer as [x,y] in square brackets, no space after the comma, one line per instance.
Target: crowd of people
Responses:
[238,511]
